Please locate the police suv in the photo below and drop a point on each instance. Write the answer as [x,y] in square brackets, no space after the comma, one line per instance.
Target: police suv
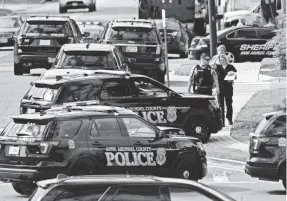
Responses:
[84,139]
[141,40]
[39,40]
[198,115]
[84,58]
[94,28]
[242,43]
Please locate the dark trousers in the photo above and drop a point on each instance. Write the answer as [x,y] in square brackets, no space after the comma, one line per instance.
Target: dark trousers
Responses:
[226,95]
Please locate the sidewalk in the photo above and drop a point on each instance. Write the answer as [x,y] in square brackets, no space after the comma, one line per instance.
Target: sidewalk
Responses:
[222,144]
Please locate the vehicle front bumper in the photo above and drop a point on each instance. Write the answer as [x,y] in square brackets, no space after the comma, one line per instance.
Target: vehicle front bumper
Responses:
[80,4]
[263,171]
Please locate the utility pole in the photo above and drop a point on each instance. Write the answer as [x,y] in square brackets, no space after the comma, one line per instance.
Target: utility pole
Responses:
[165,40]
[212,27]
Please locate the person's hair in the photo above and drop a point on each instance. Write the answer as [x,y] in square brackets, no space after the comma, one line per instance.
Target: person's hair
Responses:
[221,47]
[222,56]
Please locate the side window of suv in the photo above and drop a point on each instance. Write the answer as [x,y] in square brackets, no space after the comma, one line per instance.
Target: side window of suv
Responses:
[249,33]
[106,127]
[266,33]
[116,89]
[65,129]
[137,128]
[278,127]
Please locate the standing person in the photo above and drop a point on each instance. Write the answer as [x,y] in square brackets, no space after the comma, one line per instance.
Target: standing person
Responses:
[226,93]
[241,22]
[221,50]
[203,77]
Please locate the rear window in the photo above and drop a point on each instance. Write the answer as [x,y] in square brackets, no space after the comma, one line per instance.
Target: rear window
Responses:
[169,24]
[30,129]
[133,34]
[10,22]
[92,60]
[43,92]
[47,27]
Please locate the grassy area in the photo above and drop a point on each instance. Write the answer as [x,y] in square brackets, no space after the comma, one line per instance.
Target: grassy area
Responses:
[270,67]
[251,114]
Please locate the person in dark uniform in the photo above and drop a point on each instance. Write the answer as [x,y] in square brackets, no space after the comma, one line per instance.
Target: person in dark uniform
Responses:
[203,78]
[226,76]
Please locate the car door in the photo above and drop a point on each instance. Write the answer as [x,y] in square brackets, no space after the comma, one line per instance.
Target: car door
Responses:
[150,154]
[155,104]
[242,43]
[264,35]
[105,137]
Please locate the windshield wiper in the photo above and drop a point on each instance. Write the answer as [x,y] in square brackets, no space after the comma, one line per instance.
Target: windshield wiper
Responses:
[24,134]
[37,98]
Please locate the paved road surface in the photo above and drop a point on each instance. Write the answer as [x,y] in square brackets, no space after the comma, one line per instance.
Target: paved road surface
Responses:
[228,178]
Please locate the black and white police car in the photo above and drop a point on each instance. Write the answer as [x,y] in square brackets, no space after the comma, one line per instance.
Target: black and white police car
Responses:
[93,139]
[94,28]
[40,38]
[84,58]
[242,43]
[198,115]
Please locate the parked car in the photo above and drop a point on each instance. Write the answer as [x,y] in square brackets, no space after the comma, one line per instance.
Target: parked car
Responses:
[242,43]
[39,40]
[177,38]
[64,5]
[9,26]
[124,188]
[85,58]
[267,149]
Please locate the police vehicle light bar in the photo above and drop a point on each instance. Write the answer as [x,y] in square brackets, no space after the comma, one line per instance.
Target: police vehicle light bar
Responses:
[89,23]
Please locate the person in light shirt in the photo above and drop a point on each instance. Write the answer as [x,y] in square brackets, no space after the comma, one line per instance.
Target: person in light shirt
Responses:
[241,22]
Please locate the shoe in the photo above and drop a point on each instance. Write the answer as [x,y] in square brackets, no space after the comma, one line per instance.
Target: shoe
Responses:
[230,122]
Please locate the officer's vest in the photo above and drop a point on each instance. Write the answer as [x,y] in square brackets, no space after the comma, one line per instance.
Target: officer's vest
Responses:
[202,78]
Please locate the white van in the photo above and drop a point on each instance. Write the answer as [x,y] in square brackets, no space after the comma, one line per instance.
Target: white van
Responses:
[232,18]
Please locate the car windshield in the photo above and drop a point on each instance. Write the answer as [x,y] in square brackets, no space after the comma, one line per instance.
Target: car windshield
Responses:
[31,129]
[42,92]
[9,22]
[92,60]
[47,27]
[170,24]
[133,34]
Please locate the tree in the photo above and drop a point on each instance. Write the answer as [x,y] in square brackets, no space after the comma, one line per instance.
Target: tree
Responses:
[280,46]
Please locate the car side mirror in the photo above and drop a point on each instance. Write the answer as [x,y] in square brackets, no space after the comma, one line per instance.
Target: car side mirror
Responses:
[171,94]
[86,34]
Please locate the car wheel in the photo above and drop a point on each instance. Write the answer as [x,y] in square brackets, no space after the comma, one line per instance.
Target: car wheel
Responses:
[187,169]
[62,10]
[24,188]
[231,57]
[18,69]
[199,128]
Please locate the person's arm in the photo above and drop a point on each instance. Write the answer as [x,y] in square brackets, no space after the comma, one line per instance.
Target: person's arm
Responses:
[215,80]
[191,79]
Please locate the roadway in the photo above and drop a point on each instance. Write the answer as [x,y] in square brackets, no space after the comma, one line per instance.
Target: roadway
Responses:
[226,177]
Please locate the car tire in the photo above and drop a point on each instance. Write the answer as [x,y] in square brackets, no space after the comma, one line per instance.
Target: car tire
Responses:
[62,10]
[199,128]
[187,169]
[231,56]
[18,69]
[24,188]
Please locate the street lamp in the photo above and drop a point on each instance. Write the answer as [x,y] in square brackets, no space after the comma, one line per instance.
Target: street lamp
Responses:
[165,41]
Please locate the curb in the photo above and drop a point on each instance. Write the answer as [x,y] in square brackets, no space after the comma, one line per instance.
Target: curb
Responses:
[226,160]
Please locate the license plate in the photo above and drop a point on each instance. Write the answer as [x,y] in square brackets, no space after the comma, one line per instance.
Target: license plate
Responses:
[131,49]
[14,150]
[29,110]
[45,42]
[3,40]
[74,4]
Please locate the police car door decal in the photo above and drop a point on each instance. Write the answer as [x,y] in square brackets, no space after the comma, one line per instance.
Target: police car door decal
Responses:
[257,49]
[135,156]
[159,114]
